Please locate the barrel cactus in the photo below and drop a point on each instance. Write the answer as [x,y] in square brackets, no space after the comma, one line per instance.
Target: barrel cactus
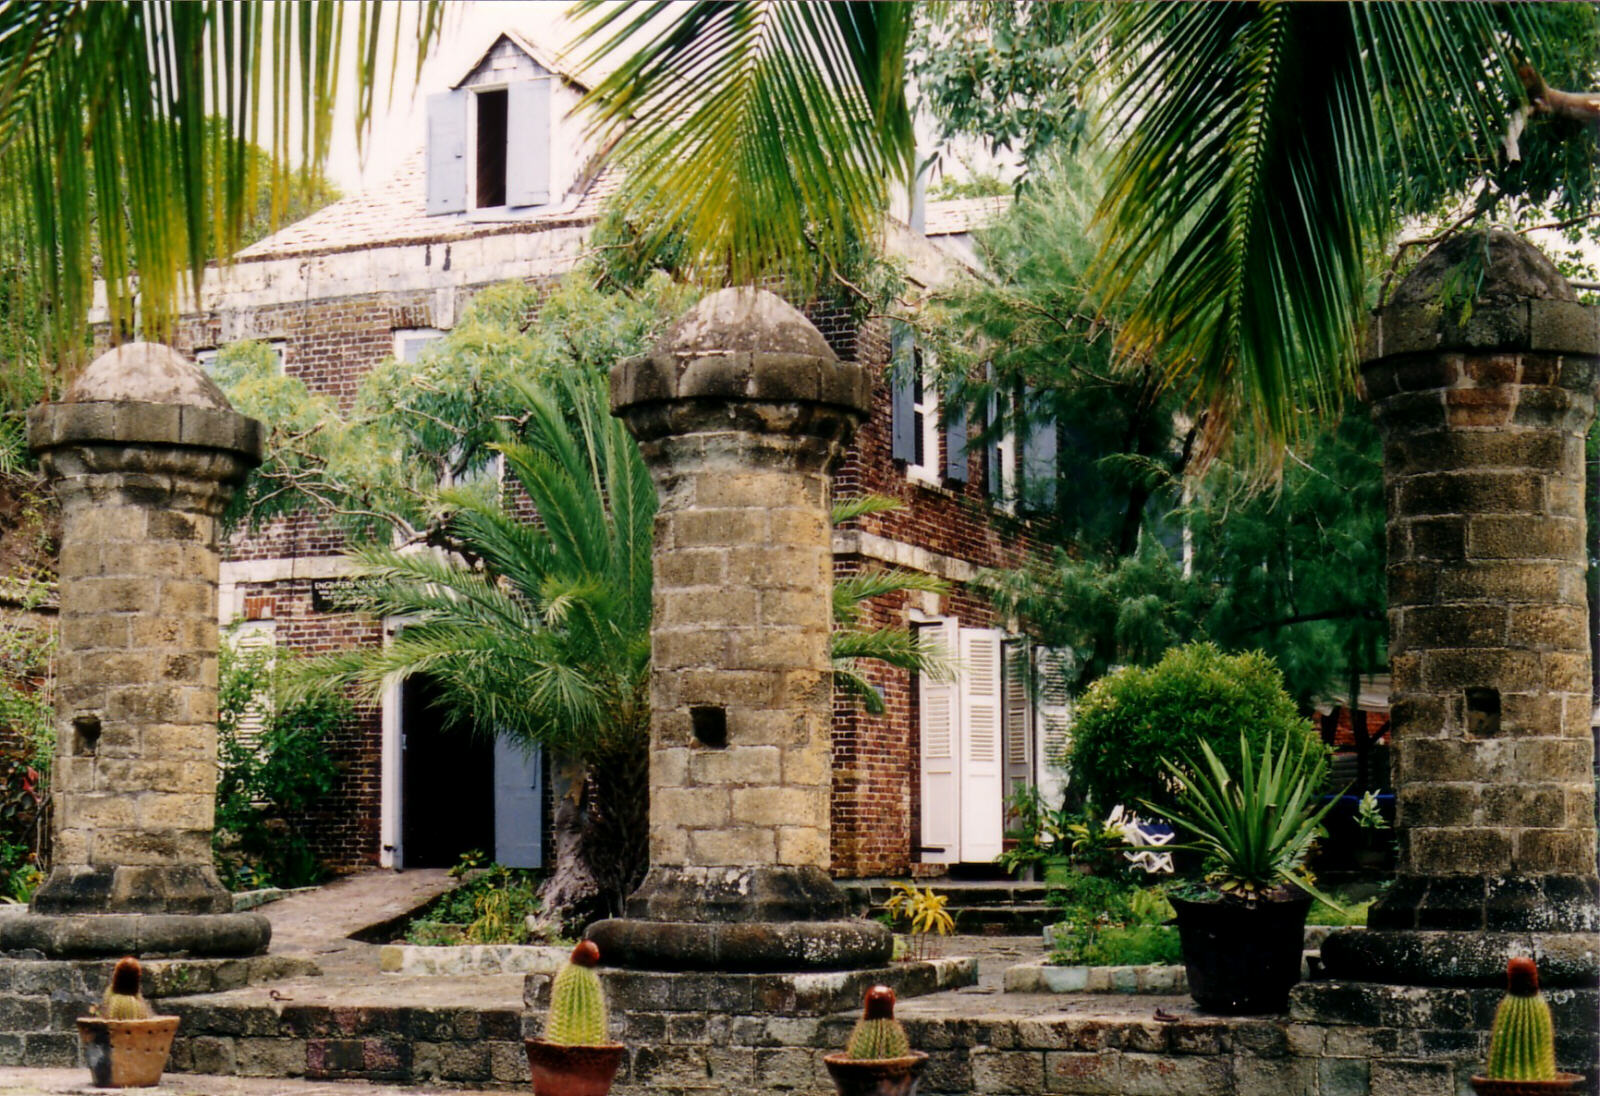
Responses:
[577,1005]
[878,1035]
[1522,1043]
[122,1000]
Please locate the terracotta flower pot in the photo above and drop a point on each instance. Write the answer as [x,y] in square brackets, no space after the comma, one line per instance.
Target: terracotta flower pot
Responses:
[1561,1084]
[126,1053]
[561,1070]
[876,1076]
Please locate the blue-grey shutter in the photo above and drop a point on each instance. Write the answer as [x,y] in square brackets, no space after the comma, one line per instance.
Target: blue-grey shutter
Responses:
[955,436]
[991,452]
[528,143]
[447,152]
[902,395]
[1038,454]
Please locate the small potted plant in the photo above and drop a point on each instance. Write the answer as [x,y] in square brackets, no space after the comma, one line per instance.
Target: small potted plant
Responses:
[1373,851]
[575,1057]
[878,1060]
[124,1045]
[1243,933]
[1522,1044]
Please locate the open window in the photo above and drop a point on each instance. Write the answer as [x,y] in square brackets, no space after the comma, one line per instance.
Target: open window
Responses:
[498,139]
[929,432]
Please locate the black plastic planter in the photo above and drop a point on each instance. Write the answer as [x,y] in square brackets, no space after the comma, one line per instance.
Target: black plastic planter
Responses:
[1240,957]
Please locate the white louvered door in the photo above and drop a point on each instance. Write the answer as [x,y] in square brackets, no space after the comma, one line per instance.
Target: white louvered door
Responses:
[1016,722]
[1054,722]
[982,786]
[941,786]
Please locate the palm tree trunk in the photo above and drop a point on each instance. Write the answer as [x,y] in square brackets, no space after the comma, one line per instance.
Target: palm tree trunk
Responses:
[571,884]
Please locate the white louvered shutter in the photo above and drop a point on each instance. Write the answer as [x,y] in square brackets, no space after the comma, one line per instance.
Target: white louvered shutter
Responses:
[249,639]
[982,790]
[1053,722]
[447,152]
[1016,718]
[528,145]
[937,704]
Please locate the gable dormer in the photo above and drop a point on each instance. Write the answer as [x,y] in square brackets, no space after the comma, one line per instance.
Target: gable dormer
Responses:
[496,139]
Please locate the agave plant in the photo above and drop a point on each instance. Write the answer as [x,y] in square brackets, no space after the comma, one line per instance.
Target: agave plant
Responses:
[1256,830]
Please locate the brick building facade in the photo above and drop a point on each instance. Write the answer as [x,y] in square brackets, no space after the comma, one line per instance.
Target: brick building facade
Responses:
[366,277]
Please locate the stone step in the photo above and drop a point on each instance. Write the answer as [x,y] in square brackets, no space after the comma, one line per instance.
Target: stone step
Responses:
[873,893]
[1004,908]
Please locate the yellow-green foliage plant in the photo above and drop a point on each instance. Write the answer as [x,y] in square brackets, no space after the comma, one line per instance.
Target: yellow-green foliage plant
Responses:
[925,910]
[1522,1044]
[577,1004]
[122,1000]
[878,1035]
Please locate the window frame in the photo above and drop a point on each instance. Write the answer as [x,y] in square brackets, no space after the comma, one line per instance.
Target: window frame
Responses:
[206,357]
[401,335]
[926,406]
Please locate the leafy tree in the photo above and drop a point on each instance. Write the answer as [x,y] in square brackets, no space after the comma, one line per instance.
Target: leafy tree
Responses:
[374,470]
[1296,571]
[1009,75]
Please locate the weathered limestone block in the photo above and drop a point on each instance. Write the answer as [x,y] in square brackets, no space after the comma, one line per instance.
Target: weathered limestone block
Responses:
[143,453]
[741,412]
[1483,414]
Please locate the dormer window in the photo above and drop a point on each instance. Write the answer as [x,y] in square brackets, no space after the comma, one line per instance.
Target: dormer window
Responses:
[490,144]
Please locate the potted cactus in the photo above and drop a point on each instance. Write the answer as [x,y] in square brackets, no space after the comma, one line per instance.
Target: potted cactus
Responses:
[878,1060]
[1522,1045]
[574,1057]
[124,1044]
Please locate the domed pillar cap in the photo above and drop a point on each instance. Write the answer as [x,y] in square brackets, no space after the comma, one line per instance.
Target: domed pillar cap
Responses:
[1521,302]
[145,394]
[742,345]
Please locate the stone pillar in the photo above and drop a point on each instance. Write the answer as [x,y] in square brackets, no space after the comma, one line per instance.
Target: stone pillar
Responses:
[1483,415]
[740,412]
[144,452]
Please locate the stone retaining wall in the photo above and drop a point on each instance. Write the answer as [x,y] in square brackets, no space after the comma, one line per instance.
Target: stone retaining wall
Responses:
[1339,1039]
[41,999]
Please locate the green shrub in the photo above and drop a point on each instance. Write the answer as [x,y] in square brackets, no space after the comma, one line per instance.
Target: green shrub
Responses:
[1129,721]
[1116,946]
[1112,922]
[491,906]
[267,780]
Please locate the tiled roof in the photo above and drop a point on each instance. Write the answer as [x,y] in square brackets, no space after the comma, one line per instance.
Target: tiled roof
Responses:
[394,213]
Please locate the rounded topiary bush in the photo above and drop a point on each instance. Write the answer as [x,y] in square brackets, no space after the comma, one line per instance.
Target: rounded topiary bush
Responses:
[1126,723]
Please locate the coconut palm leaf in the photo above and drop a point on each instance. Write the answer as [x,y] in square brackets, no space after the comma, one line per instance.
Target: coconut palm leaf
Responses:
[111,164]
[767,131]
[1264,155]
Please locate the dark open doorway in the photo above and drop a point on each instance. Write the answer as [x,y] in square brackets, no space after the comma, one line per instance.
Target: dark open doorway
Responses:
[447,781]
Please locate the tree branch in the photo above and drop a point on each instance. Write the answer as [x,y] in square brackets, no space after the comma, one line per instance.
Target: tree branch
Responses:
[1580,106]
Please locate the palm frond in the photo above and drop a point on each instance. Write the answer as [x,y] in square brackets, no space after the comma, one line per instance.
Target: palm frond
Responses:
[125,134]
[1266,152]
[851,507]
[853,591]
[758,128]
